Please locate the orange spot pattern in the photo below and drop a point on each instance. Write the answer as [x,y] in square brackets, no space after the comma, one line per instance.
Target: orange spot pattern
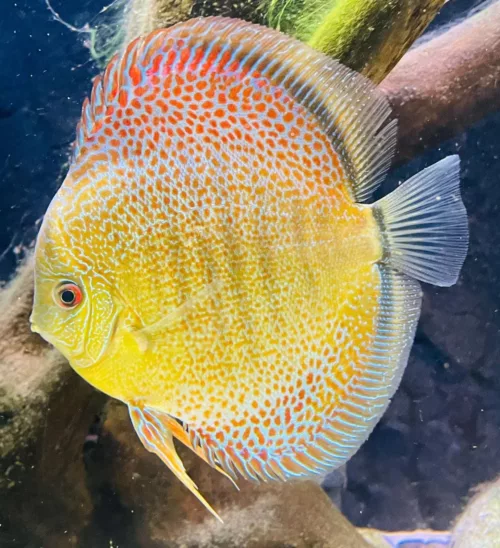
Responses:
[208,195]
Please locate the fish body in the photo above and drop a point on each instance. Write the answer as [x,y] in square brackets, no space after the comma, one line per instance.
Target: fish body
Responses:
[230,283]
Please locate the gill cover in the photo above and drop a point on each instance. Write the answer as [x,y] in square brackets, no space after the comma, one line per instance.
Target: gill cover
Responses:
[83,333]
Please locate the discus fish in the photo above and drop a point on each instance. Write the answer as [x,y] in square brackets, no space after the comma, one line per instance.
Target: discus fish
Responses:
[211,259]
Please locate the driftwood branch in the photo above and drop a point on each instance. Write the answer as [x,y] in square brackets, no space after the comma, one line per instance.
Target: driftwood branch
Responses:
[371,36]
[447,84]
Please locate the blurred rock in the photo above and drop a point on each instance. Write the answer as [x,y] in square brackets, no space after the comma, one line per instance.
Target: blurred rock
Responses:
[479,524]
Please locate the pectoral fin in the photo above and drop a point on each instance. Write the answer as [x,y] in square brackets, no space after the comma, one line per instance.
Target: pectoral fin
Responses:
[156,436]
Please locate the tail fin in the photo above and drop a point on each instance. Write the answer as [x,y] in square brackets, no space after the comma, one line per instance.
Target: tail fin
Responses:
[424,224]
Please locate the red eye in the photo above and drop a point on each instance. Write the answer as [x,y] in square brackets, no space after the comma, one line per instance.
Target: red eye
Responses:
[68,295]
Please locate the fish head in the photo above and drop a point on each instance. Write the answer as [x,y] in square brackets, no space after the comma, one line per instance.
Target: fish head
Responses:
[75,308]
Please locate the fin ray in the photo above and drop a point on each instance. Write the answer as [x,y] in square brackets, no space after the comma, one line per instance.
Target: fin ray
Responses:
[424,224]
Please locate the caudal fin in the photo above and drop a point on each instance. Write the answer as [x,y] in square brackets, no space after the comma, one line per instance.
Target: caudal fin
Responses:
[424,224]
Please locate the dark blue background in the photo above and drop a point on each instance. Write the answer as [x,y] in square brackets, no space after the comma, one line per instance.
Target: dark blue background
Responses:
[45,73]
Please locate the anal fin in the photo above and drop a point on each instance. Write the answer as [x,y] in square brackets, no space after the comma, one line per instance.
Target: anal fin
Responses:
[155,432]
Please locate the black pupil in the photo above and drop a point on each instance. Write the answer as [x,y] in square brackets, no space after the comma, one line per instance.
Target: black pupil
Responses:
[68,296]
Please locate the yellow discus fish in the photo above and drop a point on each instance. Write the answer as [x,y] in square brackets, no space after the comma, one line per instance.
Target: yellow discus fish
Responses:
[211,260]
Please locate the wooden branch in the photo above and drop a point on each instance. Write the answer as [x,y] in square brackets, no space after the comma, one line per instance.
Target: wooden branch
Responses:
[371,36]
[447,84]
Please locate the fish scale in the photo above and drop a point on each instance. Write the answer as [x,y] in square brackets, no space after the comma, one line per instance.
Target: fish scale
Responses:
[237,293]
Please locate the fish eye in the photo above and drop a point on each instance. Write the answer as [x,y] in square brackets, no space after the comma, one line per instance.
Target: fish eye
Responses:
[68,295]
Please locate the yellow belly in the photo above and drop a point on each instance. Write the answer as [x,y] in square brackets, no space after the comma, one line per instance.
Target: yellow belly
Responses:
[251,314]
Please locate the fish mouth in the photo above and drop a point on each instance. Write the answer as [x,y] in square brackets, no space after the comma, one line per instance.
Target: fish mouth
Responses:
[36,329]
[33,325]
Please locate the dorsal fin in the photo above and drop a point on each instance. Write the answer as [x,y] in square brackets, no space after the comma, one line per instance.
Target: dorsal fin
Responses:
[347,105]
